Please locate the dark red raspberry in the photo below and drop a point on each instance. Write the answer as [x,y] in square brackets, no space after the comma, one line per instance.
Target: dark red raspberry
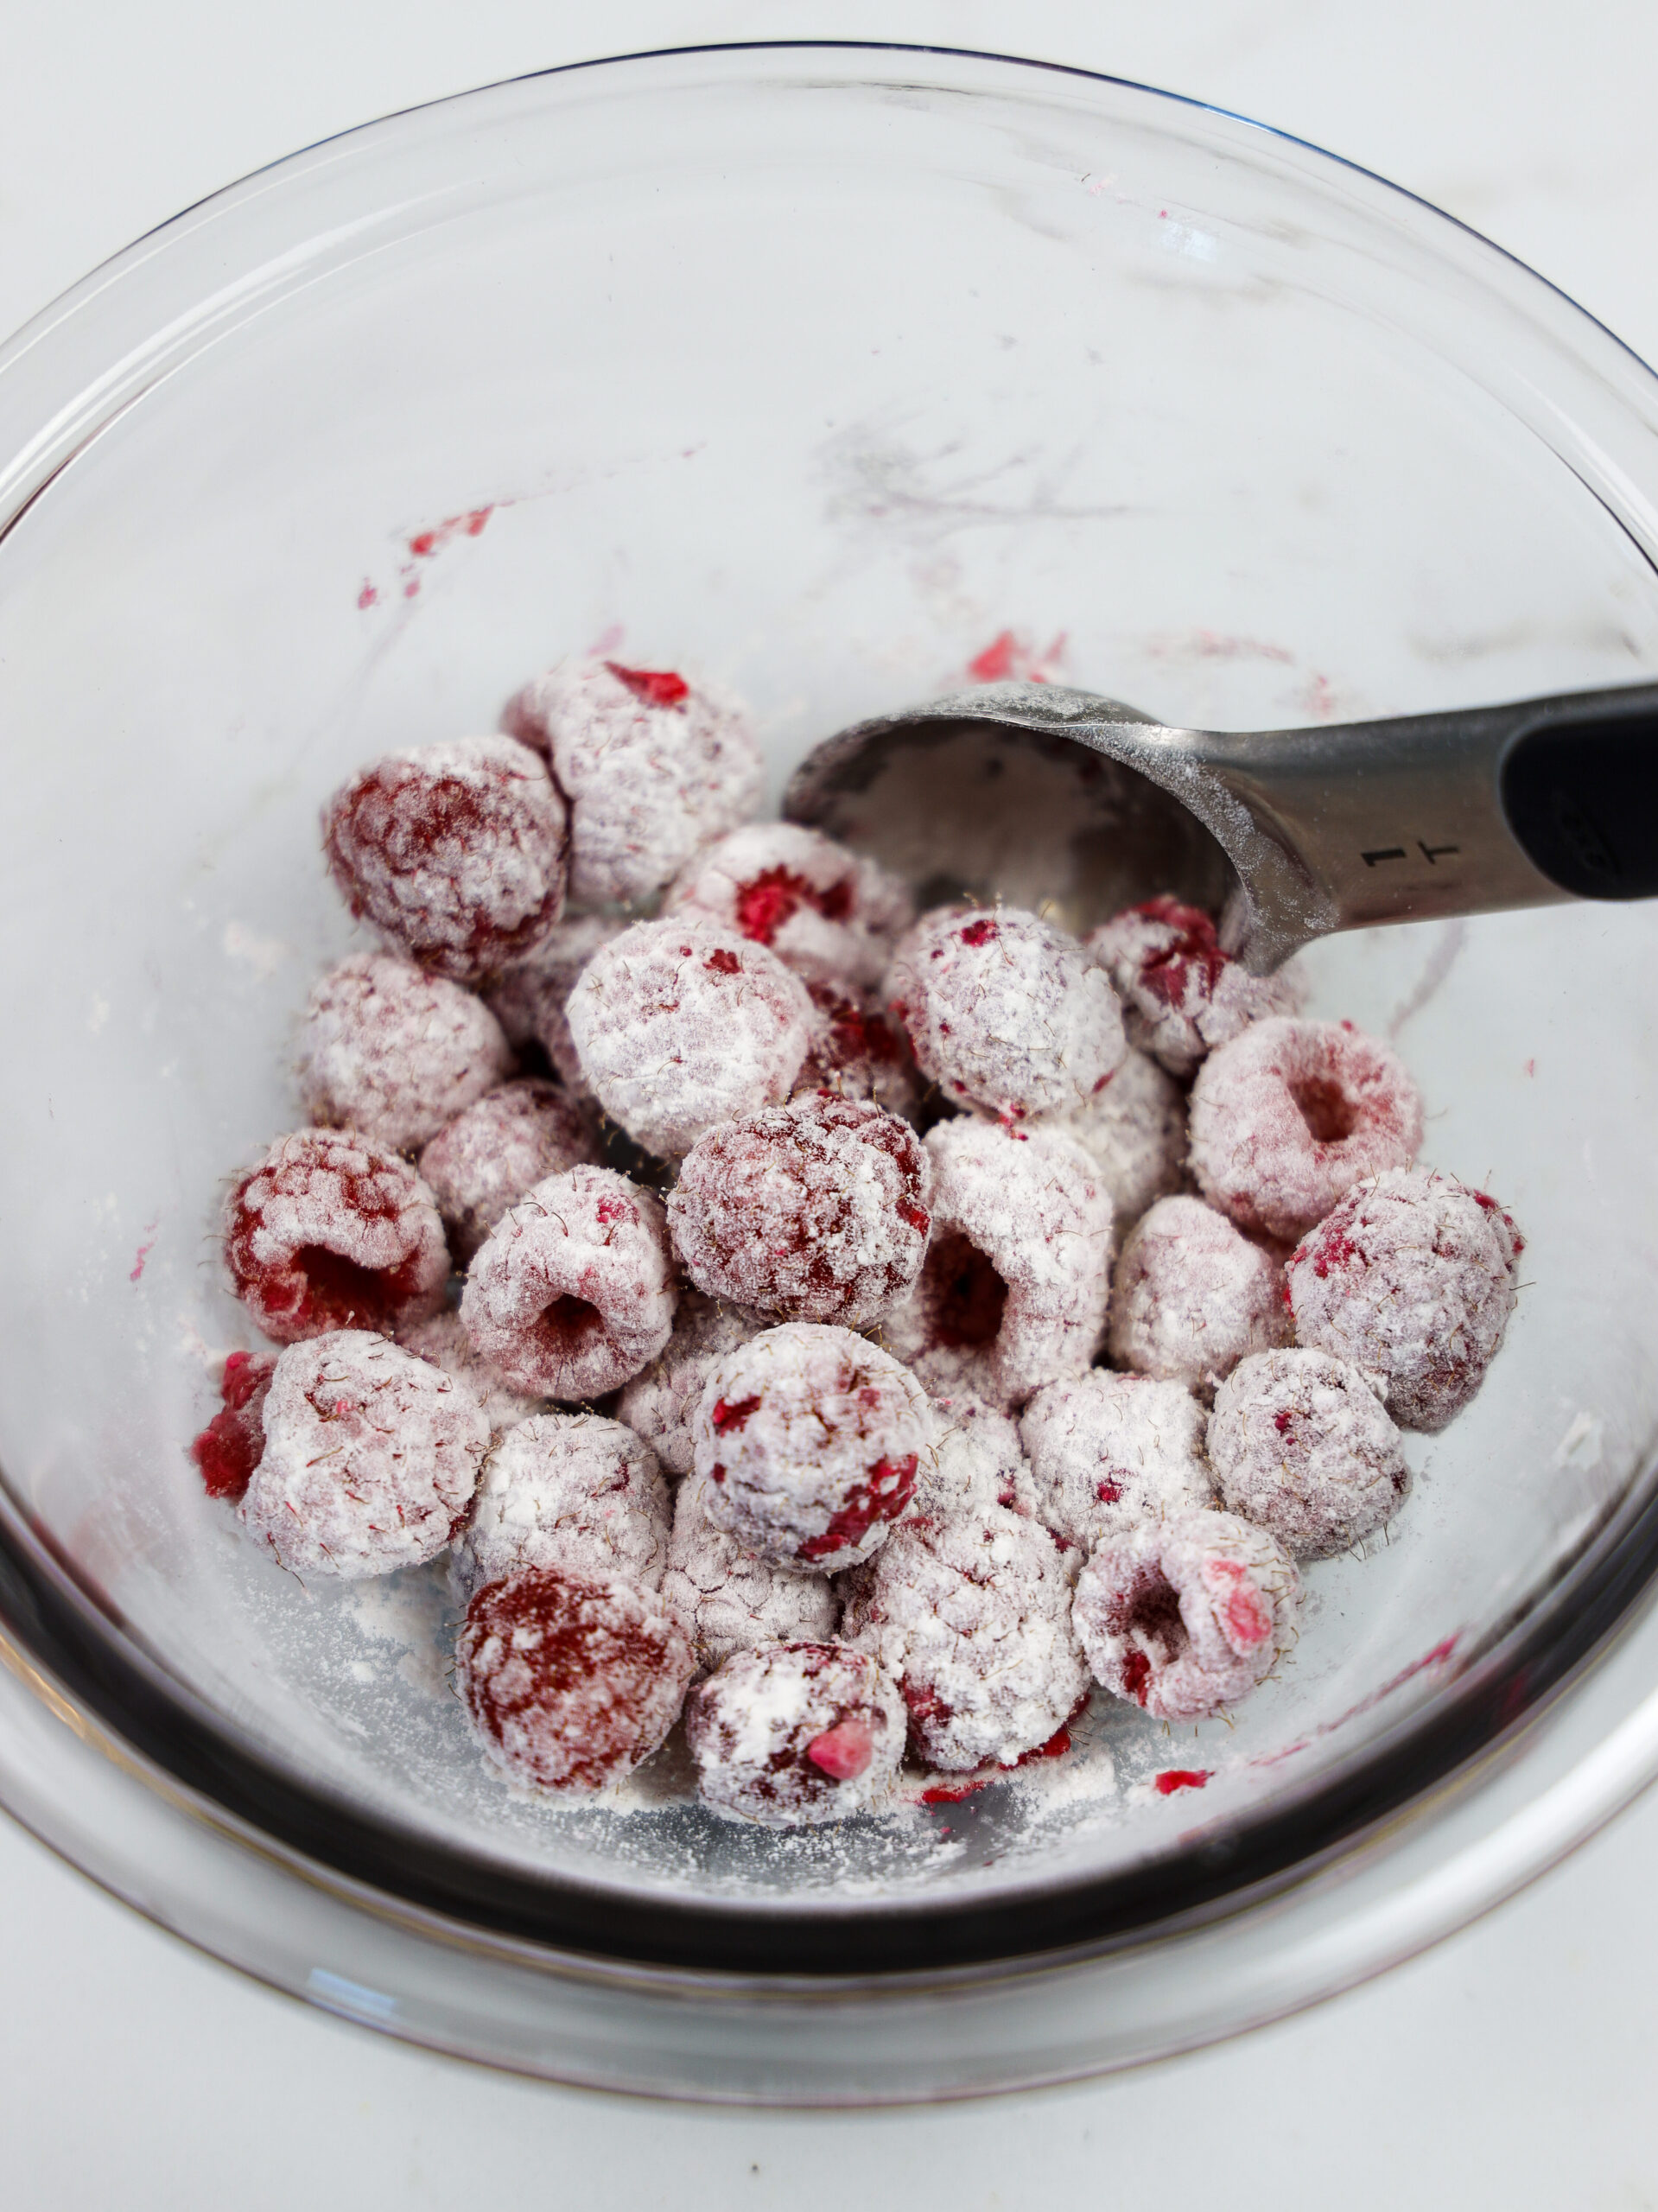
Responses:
[330,1231]
[816,1210]
[570,1679]
[228,1449]
[856,1051]
[456,852]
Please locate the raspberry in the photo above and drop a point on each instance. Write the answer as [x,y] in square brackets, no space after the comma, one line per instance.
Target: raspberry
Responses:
[499,1147]
[567,1491]
[229,1448]
[796,1734]
[1412,1279]
[371,1457]
[816,1209]
[809,1439]
[570,1680]
[1185,1616]
[1012,1292]
[443,1342]
[1109,1450]
[1300,1445]
[1004,1012]
[856,1051]
[394,1052]
[679,1025]
[1193,1296]
[1134,1131]
[330,1231]
[660,1402]
[732,1600]
[832,916]
[454,852]
[1292,1114]
[653,768]
[1181,994]
[573,1291]
[972,1616]
[528,1000]
[974,1461]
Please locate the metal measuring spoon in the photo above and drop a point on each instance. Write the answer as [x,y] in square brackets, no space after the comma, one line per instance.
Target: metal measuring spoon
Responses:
[1033,792]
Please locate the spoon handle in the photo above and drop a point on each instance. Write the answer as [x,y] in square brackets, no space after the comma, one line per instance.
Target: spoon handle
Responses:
[1463,813]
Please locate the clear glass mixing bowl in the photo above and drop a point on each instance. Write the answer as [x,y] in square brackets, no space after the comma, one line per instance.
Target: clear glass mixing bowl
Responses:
[820,368]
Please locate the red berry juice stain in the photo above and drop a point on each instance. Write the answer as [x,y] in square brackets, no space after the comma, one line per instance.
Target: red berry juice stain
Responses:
[1181,1777]
[1194,958]
[656,687]
[367,597]
[1136,1674]
[614,1210]
[983,932]
[1281,1422]
[425,542]
[723,962]
[143,1253]
[1108,1492]
[916,1216]
[995,663]
[951,1793]
[728,1415]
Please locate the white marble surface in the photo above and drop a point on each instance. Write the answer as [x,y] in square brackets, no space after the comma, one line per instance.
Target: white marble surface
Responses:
[1511,2067]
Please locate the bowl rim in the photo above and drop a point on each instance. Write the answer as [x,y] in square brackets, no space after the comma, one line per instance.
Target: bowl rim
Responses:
[1520,1666]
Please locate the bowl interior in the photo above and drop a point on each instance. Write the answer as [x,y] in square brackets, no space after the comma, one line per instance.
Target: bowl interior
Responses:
[821,372]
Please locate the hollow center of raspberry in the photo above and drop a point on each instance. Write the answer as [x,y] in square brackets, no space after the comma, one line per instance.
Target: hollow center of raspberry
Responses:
[843,1751]
[341,1294]
[962,1293]
[1326,1109]
[1148,1617]
[567,1328]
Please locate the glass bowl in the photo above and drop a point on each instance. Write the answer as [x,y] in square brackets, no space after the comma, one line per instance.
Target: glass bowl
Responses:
[833,371]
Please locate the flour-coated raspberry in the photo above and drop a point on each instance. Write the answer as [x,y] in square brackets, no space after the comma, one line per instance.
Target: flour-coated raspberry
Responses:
[1012,1292]
[443,1340]
[856,1050]
[971,1615]
[529,1000]
[567,1489]
[397,1053]
[831,914]
[370,1457]
[660,1404]
[1301,1444]
[795,1734]
[1181,994]
[331,1231]
[1193,1296]
[1292,1114]
[974,1459]
[809,1438]
[729,1598]
[573,1292]
[654,769]
[816,1210]
[1134,1131]
[454,852]
[1412,1278]
[229,1448]
[679,1025]
[500,1146]
[569,1681]
[1006,1012]
[1108,1450]
[1185,1616]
